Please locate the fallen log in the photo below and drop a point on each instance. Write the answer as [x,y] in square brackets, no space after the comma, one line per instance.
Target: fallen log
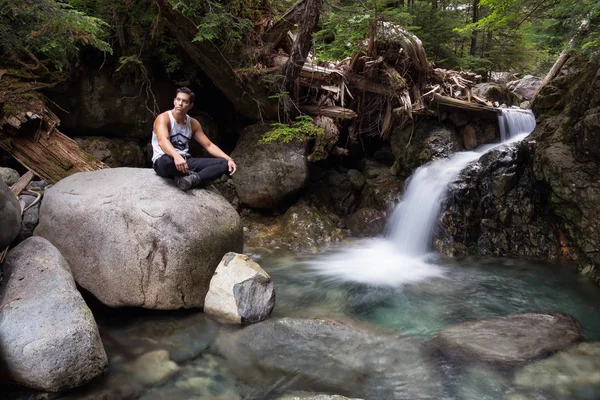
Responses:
[443,102]
[332,111]
[51,156]
[22,183]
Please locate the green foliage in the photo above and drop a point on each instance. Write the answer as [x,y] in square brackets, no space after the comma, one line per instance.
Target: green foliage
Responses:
[228,24]
[301,129]
[343,29]
[47,34]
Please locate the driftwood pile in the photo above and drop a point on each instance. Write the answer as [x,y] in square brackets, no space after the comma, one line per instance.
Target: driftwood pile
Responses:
[390,80]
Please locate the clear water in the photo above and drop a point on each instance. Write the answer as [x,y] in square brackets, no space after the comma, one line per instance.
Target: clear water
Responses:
[392,282]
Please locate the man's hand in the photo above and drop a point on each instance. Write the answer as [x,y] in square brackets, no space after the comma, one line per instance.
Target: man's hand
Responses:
[180,164]
[232,167]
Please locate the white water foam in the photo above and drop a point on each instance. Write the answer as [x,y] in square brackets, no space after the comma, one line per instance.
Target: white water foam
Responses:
[375,262]
[403,256]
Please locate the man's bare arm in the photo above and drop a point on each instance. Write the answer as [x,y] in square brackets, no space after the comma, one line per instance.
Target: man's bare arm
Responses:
[161,128]
[210,147]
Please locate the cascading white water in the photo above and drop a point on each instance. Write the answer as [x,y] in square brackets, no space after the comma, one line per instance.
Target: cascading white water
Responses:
[515,121]
[401,257]
[413,220]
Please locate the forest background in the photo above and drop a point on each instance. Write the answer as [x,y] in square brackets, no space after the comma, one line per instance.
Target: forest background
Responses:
[43,39]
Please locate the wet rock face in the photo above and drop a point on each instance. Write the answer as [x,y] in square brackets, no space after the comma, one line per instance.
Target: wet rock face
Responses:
[366,222]
[322,354]
[567,158]
[478,132]
[496,207]
[512,340]
[415,146]
[303,228]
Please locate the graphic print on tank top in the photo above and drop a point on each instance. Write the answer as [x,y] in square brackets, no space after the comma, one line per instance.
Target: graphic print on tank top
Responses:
[178,138]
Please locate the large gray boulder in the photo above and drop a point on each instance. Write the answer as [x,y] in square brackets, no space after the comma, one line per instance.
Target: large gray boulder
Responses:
[527,86]
[134,239]
[240,291]
[268,173]
[512,340]
[495,93]
[10,216]
[48,336]
[321,354]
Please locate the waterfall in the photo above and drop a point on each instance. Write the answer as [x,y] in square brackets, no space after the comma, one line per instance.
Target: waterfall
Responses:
[402,256]
[515,121]
[413,221]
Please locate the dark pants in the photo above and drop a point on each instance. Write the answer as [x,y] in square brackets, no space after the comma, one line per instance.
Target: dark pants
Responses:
[206,168]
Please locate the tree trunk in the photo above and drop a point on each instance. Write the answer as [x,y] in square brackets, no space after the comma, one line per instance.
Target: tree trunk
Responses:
[562,59]
[303,42]
[287,21]
[473,50]
[249,98]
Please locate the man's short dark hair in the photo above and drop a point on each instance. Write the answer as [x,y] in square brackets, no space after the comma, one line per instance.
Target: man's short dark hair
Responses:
[186,90]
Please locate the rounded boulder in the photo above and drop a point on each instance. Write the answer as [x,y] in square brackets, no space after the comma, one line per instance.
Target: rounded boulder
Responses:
[133,239]
[268,173]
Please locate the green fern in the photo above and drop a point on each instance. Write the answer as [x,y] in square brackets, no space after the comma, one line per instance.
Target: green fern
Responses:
[303,128]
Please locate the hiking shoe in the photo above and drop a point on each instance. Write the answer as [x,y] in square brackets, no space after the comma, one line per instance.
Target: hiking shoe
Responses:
[189,181]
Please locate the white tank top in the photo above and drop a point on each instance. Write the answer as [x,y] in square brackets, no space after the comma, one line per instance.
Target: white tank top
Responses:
[179,135]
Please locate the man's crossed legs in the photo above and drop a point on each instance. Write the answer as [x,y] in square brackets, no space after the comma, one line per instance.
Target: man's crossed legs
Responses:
[202,171]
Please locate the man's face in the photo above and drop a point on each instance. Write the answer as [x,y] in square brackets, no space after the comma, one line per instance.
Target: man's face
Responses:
[182,102]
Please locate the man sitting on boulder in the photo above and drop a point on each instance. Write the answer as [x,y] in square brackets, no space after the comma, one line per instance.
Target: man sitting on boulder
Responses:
[170,144]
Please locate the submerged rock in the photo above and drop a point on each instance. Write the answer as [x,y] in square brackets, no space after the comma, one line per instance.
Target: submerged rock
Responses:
[268,173]
[153,367]
[326,355]
[48,336]
[10,216]
[240,291]
[567,373]
[512,340]
[134,239]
